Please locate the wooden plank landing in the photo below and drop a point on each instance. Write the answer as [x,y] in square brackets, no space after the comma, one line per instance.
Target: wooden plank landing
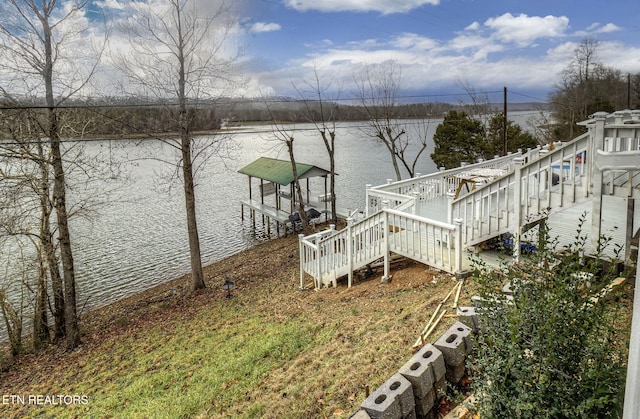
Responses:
[267,210]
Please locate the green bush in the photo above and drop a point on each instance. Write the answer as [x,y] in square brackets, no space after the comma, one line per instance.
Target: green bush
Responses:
[549,352]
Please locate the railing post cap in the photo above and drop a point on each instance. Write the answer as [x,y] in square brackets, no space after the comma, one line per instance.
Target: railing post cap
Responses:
[332,226]
[458,221]
[599,115]
[300,236]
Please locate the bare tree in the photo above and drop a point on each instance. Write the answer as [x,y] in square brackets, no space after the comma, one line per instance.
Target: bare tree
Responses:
[43,50]
[377,93]
[586,86]
[284,137]
[177,56]
[322,113]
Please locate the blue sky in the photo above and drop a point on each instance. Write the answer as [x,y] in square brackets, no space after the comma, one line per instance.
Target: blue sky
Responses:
[439,44]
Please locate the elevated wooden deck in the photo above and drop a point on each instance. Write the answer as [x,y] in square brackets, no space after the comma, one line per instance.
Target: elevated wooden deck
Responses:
[438,218]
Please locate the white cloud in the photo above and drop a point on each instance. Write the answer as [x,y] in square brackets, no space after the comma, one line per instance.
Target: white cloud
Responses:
[324,43]
[365,44]
[413,41]
[264,27]
[608,28]
[524,30]
[596,28]
[382,6]
[473,27]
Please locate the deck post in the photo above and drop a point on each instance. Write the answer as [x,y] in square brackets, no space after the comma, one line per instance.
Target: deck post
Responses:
[458,223]
[517,206]
[597,143]
[349,251]
[301,257]
[318,276]
[629,231]
[385,276]
[450,197]
[367,187]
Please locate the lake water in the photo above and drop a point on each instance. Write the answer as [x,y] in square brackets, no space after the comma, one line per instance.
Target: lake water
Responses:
[138,238]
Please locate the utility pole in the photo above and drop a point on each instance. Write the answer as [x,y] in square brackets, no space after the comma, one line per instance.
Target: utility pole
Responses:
[628,90]
[504,121]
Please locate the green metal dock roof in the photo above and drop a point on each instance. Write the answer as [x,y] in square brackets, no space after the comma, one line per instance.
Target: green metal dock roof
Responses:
[280,171]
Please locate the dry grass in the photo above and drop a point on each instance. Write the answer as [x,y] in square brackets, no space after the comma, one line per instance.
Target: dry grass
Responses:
[270,351]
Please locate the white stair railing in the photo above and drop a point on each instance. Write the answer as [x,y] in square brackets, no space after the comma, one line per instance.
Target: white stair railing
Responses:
[428,241]
[331,254]
[553,180]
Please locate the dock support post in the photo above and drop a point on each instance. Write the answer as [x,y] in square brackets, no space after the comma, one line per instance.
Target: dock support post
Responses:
[268,227]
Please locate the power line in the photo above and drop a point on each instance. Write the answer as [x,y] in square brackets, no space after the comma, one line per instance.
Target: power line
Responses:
[232,101]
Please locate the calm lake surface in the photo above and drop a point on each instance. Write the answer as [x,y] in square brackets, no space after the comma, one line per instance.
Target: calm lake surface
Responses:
[137,239]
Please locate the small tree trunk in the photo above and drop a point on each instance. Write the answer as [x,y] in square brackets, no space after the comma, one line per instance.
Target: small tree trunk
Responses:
[197,277]
[46,241]
[294,168]
[72,329]
[13,323]
[60,198]
[332,188]
[40,321]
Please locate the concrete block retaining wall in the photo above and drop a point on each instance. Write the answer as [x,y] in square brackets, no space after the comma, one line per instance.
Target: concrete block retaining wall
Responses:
[413,391]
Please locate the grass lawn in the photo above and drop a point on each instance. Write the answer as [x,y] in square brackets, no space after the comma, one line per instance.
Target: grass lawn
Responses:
[270,351]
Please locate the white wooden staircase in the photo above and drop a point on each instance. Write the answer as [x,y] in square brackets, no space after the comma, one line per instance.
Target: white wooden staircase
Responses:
[434,218]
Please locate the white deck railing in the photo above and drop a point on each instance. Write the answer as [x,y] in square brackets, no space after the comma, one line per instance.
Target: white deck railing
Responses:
[539,182]
[429,186]
[485,210]
[428,241]
[542,179]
